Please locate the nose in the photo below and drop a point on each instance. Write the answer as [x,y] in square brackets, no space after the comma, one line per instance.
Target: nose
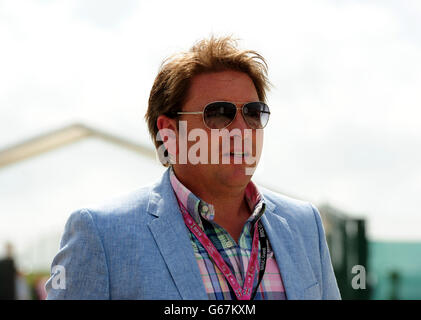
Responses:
[239,122]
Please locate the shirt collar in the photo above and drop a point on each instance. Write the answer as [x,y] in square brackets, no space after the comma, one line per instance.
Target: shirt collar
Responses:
[198,208]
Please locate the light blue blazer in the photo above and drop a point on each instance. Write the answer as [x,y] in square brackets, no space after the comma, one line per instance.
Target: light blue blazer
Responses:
[137,247]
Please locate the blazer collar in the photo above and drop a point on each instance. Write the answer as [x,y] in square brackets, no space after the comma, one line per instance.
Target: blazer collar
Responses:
[171,236]
[293,264]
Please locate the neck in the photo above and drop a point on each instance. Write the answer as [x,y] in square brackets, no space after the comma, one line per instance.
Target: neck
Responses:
[231,209]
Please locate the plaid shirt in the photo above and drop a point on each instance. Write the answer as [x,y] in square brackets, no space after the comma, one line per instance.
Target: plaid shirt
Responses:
[235,255]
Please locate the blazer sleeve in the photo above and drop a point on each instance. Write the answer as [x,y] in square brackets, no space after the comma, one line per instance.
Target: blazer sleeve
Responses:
[330,290]
[79,270]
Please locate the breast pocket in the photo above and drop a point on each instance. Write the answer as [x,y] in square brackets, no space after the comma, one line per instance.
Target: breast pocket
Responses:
[313,292]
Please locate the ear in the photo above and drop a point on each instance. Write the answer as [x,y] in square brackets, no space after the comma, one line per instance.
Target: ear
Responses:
[168,133]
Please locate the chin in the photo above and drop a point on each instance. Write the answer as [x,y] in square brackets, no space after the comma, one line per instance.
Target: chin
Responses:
[235,175]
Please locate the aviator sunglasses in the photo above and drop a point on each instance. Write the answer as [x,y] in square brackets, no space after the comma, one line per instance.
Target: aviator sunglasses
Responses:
[220,114]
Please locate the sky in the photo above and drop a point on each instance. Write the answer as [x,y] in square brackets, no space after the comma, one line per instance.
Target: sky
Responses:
[345,126]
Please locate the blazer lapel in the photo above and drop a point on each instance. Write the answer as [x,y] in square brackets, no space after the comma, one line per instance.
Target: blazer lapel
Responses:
[170,234]
[284,248]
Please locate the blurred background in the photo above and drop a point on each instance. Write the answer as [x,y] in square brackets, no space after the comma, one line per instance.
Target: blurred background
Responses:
[344,133]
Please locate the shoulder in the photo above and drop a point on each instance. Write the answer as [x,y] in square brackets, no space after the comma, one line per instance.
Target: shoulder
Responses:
[136,202]
[124,214]
[121,205]
[301,216]
[113,218]
[288,207]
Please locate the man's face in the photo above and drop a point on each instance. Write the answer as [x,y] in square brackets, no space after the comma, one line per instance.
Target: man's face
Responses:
[230,86]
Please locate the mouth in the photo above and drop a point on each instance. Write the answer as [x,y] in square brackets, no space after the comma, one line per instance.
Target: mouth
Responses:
[237,155]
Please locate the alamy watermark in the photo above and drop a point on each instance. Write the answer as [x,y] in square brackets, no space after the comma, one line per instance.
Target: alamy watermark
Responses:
[359,280]
[238,146]
[58,281]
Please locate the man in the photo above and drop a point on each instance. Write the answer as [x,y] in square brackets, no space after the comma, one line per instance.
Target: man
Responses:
[8,275]
[205,230]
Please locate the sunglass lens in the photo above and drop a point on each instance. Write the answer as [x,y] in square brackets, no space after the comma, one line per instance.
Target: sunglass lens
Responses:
[219,115]
[256,114]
